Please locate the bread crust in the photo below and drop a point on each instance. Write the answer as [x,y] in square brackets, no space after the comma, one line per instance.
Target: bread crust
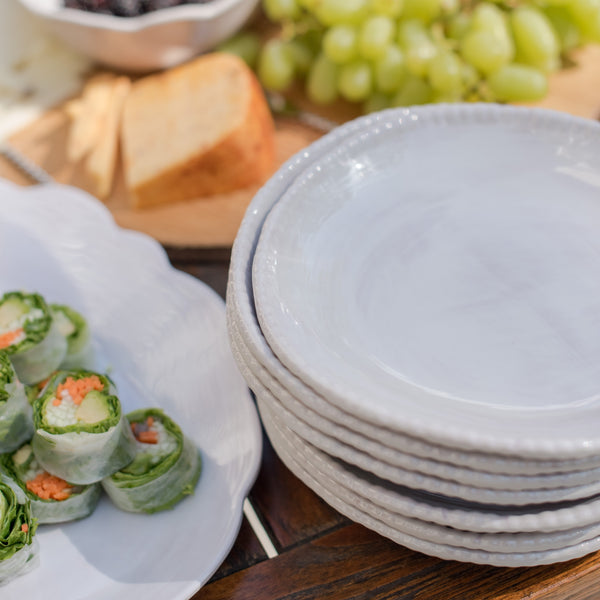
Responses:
[243,157]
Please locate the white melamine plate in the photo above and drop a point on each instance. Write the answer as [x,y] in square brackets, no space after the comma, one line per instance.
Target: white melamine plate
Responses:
[407,470]
[420,537]
[400,466]
[241,313]
[162,334]
[438,273]
[331,476]
[442,510]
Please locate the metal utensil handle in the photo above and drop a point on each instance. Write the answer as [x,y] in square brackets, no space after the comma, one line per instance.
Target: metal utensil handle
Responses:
[26,166]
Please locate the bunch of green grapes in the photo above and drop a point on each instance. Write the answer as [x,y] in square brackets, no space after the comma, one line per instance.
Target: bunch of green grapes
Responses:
[384,53]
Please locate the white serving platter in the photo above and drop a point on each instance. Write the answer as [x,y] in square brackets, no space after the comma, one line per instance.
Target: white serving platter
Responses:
[162,336]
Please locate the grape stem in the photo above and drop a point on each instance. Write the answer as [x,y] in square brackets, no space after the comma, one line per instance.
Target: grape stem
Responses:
[281,106]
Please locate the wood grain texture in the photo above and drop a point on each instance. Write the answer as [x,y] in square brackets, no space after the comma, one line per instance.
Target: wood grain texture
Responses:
[355,563]
[291,511]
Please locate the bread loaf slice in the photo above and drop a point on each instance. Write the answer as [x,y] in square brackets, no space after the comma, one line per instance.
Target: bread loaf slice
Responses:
[199,129]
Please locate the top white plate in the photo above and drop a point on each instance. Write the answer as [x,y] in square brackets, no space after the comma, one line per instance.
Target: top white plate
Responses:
[439,273]
[163,336]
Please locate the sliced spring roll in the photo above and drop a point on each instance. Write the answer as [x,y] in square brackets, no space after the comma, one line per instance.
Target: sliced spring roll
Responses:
[16,423]
[52,499]
[166,467]
[80,432]
[30,336]
[74,328]
[18,545]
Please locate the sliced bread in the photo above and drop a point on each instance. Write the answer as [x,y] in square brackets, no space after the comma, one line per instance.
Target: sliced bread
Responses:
[199,129]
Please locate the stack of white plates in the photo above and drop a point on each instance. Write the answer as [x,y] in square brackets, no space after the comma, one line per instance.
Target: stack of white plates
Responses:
[415,302]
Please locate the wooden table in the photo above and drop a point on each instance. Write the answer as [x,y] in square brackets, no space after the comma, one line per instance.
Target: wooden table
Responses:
[320,553]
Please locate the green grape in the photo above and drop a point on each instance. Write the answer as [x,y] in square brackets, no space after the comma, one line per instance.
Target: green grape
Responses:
[375,34]
[458,25]
[535,40]
[470,75]
[489,17]
[567,32]
[321,81]
[340,43]
[387,8]
[303,54]
[414,91]
[376,102]
[276,68]
[390,70]
[586,15]
[424,10]
[245,44]
[518,83]
[419,49]
[338,12]
[281,10]
[485,51]
[309,5]
[448,97]
[355,81]
[445,72]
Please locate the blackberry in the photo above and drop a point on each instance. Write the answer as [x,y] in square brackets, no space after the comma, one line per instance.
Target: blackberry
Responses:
[152,5]
[126,8]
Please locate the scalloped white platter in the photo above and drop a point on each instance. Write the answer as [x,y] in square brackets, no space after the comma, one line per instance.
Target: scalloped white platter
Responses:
[162,335]
[444,264]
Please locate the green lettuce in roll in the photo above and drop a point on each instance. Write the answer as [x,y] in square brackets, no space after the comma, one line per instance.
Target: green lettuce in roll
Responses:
[166,467]
[52,499]
[16,424]
[74,328]
[18,546]
[80,432]
[30,336]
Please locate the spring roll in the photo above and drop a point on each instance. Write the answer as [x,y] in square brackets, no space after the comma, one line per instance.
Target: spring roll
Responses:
[80,432]
[18,545]
[52,499]
[16,422]
[30,336]
[74,328]
[166,467]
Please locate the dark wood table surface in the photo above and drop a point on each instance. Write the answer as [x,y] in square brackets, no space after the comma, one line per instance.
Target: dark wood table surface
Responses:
[323,555]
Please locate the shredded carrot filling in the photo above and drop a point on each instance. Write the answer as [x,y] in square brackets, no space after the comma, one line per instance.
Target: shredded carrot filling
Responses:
[6,339]
[148,437]
[143,433]
[49,487]
[24,528]
[77,388]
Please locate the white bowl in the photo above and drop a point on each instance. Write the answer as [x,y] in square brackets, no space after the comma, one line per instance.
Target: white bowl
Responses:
[152,41]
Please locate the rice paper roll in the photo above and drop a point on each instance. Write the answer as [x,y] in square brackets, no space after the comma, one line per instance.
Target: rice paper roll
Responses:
[166,467]
[30,336]
[18,546]
[74,328]
[16,422]
[80,432]
[52,499]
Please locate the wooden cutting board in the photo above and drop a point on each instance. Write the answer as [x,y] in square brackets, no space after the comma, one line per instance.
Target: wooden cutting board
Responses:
[213,222]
